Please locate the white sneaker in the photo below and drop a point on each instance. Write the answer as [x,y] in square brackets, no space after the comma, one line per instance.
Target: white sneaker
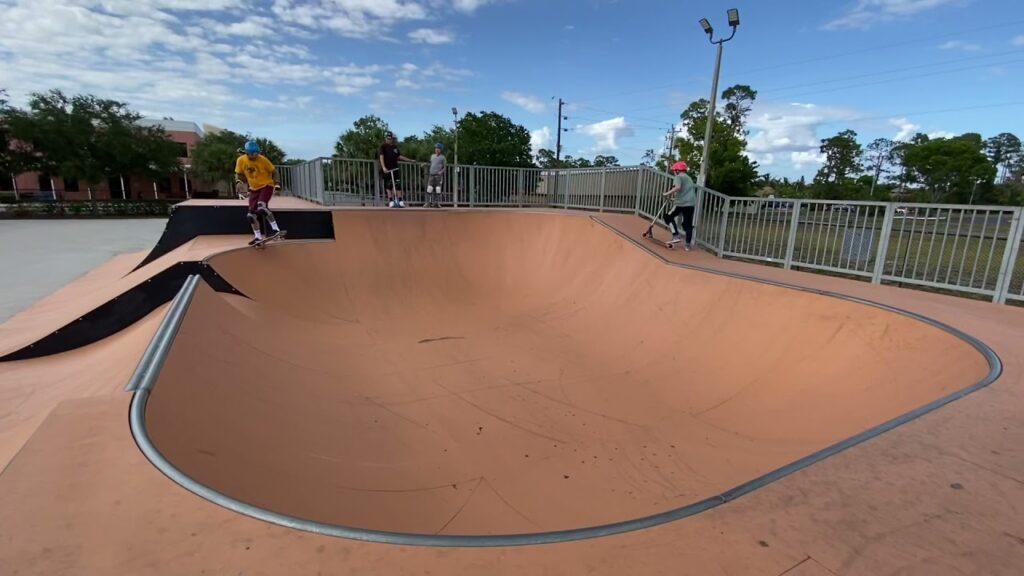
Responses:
[401,204]
[391,204]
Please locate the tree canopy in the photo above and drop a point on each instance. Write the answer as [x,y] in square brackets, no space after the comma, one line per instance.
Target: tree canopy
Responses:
[730,170]
[84,138]
[214,157]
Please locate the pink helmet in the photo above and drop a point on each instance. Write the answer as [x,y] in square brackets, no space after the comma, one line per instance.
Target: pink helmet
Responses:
[679,167]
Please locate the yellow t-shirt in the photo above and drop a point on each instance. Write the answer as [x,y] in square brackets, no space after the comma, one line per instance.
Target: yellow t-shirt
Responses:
[259,173]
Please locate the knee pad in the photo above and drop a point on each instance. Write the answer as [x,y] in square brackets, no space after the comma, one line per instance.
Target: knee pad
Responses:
[430,189]
[251,217]
[261,207]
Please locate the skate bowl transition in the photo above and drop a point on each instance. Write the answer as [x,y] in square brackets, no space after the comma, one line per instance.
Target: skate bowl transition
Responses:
[492,378]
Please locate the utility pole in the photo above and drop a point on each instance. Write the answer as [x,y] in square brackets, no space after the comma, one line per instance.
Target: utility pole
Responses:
[670,140]
[558,139]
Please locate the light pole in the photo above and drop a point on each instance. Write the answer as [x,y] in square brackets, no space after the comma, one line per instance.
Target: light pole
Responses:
[734,21]
[455,188]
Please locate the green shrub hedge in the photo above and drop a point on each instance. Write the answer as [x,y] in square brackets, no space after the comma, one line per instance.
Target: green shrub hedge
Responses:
[87,209]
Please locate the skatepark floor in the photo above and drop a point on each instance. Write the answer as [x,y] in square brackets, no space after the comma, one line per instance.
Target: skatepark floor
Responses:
[424,374]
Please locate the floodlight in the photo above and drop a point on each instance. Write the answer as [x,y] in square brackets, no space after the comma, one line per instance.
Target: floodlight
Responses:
[733,17]
[706,26]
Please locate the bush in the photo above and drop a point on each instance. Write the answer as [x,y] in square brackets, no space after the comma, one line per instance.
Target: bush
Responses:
[87,209]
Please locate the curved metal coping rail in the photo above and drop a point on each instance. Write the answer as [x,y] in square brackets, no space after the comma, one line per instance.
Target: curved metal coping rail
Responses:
[144,378]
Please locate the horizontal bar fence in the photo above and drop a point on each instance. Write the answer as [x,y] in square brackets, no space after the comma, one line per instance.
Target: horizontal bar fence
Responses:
[967,249]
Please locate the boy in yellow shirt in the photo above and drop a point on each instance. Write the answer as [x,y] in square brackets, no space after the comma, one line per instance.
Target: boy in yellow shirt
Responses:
[259,175]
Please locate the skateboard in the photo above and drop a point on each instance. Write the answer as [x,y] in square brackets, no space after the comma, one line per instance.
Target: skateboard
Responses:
[259,245]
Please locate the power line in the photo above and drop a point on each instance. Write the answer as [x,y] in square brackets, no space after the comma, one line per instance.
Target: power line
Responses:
[869,75]
[881,82]
[818,58]
[929,112]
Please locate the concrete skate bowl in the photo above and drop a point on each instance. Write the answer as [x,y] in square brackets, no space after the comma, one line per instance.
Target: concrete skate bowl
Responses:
[508,378]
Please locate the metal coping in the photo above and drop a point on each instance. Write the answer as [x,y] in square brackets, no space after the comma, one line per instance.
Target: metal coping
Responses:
[145,376]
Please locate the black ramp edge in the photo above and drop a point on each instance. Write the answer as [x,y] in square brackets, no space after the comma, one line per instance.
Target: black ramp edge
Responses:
[122,311]
[188,222]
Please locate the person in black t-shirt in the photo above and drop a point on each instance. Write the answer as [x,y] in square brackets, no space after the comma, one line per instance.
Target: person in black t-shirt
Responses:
[388,157]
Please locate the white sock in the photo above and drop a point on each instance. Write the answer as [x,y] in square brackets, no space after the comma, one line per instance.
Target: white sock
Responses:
[259,236]
[274,226]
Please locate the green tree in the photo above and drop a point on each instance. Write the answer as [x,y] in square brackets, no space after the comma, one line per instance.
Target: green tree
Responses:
[842,158]
[949,168]
[546,159]
[879,159]
[87,139]
[739,100]
[214,156]
[730,171]
[363,140]
[601,160]
[1003,151]
[421,148]
[9,161]
[271,150]
[491,139]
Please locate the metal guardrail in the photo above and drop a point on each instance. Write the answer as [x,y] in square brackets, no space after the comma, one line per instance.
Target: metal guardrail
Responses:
[969,249]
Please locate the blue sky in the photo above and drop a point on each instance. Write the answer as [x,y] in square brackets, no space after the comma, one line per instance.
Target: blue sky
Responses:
[301,71]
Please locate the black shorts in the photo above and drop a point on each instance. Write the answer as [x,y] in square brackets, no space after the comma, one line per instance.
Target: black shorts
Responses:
[387,180]
[435,180]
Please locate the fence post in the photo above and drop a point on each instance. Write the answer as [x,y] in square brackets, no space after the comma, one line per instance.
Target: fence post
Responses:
[521,186]
[883,244]
[1013,239]
[727,205]
[472,185]
[600,206]
[794,224]
[639,190]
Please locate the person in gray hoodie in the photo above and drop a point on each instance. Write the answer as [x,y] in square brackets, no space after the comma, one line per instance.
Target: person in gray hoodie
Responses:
[684,204]
[435,179]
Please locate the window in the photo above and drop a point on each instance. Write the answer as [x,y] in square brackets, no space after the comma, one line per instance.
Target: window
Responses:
[182,149]
[71,185]
[45,184]
[6,183]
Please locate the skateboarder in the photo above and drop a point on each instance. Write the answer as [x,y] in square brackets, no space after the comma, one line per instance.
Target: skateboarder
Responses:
[684,204]
[258,173]
[435,181]
[388,157]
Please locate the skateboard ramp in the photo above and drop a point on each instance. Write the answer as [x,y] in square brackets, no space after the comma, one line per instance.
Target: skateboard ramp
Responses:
[481,373]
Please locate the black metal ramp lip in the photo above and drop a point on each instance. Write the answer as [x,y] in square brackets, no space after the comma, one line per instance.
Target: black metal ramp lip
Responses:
[146,377]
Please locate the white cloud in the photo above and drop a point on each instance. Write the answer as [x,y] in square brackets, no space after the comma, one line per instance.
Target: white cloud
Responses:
[431,36]
[940,134]
[159,58]
[388,102]
[1018,41]
[469,6]
[413,77]
[570,27]
[869,12]
[524,101]
[607,134]
[252,26]
[762,159]
[351,18]
[907,129]
[960,45]
[540,139]
[801,159]
[789,128]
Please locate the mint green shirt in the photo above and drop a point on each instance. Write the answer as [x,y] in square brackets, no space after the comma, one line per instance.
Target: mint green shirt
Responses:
[687,195]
